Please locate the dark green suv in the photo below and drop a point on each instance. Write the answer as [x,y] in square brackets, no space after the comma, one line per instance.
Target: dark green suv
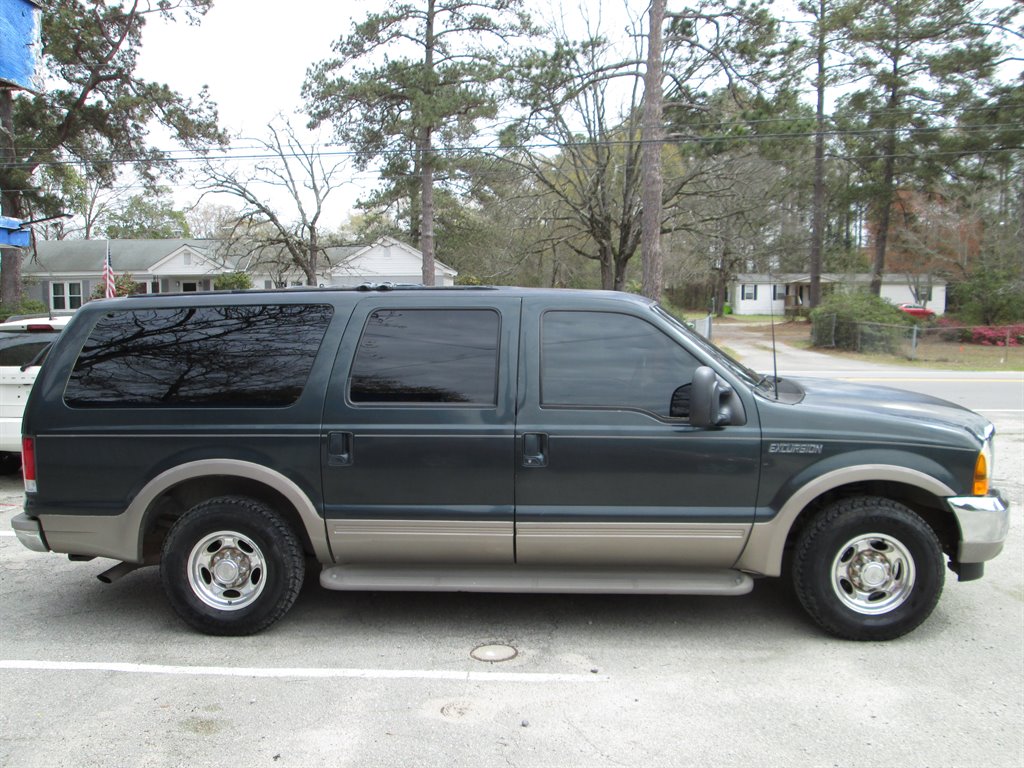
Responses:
[485,439]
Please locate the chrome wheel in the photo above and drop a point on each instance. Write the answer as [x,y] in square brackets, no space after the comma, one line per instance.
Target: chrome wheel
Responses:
[873,574]
[227,571]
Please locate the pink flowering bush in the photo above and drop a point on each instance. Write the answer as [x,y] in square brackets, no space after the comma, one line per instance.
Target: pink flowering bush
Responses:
[998,335]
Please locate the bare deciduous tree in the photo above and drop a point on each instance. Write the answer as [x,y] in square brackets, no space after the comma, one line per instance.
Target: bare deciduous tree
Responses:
[306,177]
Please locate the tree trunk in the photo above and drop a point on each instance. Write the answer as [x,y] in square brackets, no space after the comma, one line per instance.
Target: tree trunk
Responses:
[652,134]
[311,260]
[884,214]
[10,205]
[427,160]
[427,200]
[607,266]
[886,195]
[818,206]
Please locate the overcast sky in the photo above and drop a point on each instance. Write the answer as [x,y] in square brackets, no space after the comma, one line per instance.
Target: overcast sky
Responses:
[253,56]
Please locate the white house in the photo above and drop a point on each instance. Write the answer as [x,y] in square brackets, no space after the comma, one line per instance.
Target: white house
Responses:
[787,293]
[64,273]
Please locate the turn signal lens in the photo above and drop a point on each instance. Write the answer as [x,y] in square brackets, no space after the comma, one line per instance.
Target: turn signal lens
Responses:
[981,475]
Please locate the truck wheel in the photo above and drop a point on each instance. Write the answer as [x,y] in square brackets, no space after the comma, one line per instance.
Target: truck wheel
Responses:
[231,566]
[9,462]
[868,568]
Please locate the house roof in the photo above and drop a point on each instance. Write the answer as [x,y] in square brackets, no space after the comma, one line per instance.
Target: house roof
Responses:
[86,256]
[143,257]
[826,277]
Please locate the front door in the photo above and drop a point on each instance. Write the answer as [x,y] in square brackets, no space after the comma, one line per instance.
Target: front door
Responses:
[418,441]
[610,472]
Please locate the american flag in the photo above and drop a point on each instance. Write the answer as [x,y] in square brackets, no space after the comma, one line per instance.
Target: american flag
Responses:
[108,275]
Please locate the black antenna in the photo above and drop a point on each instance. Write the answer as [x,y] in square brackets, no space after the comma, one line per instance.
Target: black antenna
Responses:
[771,314]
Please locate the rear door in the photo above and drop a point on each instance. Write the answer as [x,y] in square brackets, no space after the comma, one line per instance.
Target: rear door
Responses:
[607,475]
[418,442]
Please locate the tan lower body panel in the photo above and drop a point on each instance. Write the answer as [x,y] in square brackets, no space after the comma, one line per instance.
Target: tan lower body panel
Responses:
[645,545]
[680,545]
[517,578]
[421,541]
[99,535]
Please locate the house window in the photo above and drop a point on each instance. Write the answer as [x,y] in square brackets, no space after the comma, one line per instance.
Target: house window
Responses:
[189,287]
[749,292]
[187,259]
[154,287]
[65,295]
[779,292]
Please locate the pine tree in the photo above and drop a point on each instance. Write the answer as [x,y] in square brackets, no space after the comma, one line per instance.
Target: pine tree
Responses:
[412,111]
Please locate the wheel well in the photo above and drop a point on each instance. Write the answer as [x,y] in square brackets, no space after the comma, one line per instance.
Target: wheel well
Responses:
[174,502]
[929,507]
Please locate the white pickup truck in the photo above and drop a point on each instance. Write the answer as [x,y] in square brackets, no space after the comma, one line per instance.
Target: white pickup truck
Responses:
[23,345]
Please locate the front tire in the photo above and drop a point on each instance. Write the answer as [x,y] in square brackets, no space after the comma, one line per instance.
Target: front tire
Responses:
[868,568]
[231,566]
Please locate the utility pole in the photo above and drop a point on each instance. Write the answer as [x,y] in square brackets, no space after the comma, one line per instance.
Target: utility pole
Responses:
[652,137]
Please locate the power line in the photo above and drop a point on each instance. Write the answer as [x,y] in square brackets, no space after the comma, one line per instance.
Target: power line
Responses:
[537,146]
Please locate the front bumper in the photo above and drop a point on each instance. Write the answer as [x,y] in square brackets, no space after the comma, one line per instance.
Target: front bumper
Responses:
[984,524]
[29,532]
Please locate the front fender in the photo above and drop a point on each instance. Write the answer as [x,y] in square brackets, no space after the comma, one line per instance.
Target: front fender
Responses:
[767,541]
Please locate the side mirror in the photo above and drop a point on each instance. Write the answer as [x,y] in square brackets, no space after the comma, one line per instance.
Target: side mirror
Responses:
[710,400]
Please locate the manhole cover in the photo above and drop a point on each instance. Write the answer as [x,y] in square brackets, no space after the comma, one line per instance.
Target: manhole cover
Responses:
[493,653]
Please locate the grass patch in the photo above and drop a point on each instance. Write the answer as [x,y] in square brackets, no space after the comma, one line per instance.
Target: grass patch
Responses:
[943,355]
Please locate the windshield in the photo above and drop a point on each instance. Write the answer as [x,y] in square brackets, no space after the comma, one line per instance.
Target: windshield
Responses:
[751,377]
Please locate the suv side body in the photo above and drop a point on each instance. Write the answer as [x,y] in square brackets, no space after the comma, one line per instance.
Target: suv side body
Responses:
[487,439]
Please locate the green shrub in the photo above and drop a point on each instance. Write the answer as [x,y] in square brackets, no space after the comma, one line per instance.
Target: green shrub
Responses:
[25,307]
[990,296]
[124,285]
[233,281]
[858,321]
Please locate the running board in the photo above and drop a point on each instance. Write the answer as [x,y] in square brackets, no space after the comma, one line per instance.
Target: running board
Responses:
[712,581]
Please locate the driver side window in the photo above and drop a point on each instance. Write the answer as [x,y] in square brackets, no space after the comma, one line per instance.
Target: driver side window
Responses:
[605,359]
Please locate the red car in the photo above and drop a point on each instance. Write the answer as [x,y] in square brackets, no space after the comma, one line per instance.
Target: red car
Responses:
[917,310]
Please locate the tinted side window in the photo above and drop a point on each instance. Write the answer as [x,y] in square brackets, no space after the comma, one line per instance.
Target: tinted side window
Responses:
[427,356]
[611,360]
[241,356]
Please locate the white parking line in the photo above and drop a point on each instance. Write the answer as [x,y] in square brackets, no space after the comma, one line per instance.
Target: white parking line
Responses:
[307,672]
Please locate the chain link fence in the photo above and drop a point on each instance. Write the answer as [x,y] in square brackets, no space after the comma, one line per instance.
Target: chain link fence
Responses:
[701,325]
[939,343]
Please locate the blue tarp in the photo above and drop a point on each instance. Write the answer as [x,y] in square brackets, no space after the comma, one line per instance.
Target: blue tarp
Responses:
[12,235]
[20,47]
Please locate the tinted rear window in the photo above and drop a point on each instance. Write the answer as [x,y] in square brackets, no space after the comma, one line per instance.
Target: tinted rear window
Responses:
[243,356]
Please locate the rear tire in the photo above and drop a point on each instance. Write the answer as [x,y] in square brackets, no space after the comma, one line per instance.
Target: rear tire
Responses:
[231,566]
[868,568]
[10,462]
